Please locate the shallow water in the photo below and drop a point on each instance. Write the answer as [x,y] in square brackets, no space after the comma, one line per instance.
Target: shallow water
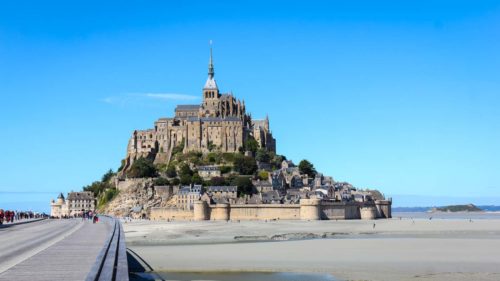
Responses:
[231,276]
[448,216]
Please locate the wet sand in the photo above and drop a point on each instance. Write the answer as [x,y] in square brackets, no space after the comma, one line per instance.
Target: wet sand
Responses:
[406,249]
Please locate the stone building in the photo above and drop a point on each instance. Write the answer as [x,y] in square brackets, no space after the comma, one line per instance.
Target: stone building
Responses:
[208,172]
[74,205]
[187,195]
[223,194]
[220,123]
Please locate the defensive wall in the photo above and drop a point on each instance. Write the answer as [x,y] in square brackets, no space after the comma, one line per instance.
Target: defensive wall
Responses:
[308,209]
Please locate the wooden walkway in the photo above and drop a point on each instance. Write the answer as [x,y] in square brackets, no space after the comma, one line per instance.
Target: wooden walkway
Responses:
[69,259]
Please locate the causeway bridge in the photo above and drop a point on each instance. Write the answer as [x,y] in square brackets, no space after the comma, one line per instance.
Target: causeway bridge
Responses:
[70,249]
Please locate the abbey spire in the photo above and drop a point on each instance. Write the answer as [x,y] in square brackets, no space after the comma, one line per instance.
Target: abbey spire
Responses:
[211,65]
[210,84]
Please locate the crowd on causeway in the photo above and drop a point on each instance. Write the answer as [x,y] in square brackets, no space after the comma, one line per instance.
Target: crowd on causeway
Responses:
[10,216]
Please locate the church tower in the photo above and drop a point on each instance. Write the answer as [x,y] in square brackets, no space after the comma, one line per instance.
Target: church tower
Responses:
[211,93]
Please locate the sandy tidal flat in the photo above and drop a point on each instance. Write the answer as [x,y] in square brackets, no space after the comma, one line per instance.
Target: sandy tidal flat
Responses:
[406,249]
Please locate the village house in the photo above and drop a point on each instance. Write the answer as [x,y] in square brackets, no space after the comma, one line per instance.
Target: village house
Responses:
[222,194]
[187,195]
[208,172]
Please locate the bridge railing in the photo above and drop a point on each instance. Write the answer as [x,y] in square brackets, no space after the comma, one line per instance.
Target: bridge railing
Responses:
[111,263]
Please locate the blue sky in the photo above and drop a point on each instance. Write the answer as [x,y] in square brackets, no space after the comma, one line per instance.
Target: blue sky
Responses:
[403,96]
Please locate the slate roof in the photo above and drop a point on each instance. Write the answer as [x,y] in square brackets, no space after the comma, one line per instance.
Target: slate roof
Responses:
[210,84]
[213,119]
[187,107]
[208,168]
[87,195]
[222,188]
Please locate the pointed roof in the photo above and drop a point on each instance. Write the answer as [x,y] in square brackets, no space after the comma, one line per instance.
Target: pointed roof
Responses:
[210,84]
[61,196]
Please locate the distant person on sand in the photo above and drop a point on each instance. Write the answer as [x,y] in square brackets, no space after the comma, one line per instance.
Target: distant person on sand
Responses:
[373,226]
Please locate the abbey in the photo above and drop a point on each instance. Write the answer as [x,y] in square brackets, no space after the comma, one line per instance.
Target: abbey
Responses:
[219,123]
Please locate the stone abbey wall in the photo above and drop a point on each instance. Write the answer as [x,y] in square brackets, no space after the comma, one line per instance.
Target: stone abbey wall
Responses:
[308,209]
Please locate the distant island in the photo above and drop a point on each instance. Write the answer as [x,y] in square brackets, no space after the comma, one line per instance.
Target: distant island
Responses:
[457,208]
[483,208]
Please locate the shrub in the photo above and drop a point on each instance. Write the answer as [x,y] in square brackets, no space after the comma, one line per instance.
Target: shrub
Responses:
[161,181]
[262,155]
[106,197]
[245,165]
[263,175]
[122,165]
[107,176]
[142,168]
[178,149]
[225,169]
[251,145]
[217,181]
[228,157]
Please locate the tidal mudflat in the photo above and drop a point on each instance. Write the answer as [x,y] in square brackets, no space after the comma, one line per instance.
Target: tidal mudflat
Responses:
[395,249]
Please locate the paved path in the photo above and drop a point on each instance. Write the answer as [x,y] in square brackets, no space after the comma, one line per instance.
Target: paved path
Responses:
[50,250]
[17,222]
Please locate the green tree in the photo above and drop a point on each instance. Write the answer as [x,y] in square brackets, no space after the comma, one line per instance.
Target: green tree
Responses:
[142,168]
[245,165]
[277,160]
[307,168]
[171,172]
[211,146]
[97,187]
[185,179]
[244,184]
[122,165]
[161,181]
[184,169]
[217,181]
[107,176]
[262,155]
[196,179]
[251,145]
[175,181]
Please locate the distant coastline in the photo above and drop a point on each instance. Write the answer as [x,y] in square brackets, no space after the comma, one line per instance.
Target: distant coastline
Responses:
[484,208]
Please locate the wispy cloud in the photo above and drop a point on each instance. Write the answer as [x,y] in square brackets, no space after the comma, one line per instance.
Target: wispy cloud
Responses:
[141,98]
[170,96]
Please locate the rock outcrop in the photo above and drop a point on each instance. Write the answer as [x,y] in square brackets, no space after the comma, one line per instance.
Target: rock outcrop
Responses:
[136,197]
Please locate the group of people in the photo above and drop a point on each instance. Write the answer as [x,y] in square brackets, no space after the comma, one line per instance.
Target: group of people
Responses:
[89,215]
[8,216]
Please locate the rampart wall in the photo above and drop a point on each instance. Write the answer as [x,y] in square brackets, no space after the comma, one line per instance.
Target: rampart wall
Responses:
[171,214]
[308,209]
